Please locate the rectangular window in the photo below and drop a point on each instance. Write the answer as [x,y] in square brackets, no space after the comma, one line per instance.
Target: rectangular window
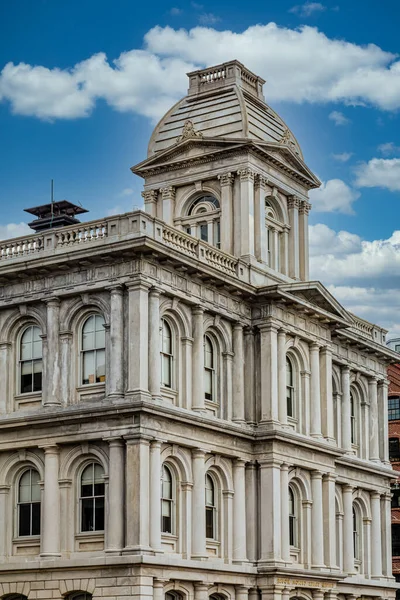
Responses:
[166,516]
[394,448]
[394,409]
[204,232]
[395,497]
[87,514]
[396,540]
[209,522]
[292,537]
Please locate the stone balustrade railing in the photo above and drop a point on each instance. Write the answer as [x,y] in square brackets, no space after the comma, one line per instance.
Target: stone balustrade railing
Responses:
[22,246]
[81,234]
[368,330]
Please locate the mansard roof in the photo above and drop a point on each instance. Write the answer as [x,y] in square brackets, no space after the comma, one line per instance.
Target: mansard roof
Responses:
[223,101]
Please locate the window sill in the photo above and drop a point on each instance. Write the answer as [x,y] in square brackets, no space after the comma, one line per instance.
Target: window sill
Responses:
[89,534]
[30,399]
[27,540]
[169,536]
[91,391]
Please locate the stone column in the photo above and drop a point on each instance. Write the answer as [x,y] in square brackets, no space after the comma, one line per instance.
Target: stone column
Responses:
[317,520]
[115,520]
[241,592]
[4,491]
[116,373]
[318,594]
[346,410]
[348,545]
[327,394]
[150,201]
[387,534]
[137,496]
[253,594]
[52,394]
[238,374]
[285,250]
[155,495]
[260,233]
[198,358]
[158,589]
[376,542]
[65,357]
[329,508]
[154,343]
[226,182]
[251,510]
[50,536]
[138,338]
[198,506]
[269,373]
[187,352]
[285,513]
[276,249]
[225,411]
[200,591]
[315,391]
[239,512]
[303,239]
[373,419]
[383,421]
[282,402]
[5,361]
[247,216]
[270,509]
[249,383]
[294,256]
[168,204]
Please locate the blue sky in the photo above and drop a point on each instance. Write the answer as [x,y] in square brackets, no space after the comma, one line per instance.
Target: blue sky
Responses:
[82,84]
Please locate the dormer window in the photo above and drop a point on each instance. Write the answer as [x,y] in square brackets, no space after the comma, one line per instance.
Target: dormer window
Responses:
[202,220]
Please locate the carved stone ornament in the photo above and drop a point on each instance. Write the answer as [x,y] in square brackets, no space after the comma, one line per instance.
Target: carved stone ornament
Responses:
[189,131]
[293,202]
[287,140]
[226,178]
[305,207]
[246,174]
[150,195]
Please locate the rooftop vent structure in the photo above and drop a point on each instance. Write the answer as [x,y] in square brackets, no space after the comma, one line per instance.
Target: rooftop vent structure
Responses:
[54,214]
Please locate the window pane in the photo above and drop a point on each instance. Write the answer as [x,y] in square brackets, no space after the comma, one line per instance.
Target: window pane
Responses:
[36,518]
[35,489]
[86,490]
[166,370]
[88,367]
[37,376]
[87,514]
[100,365]
[166,508]
[100,339]
[99,514]
[25,489]
[209,523]
[37,348]
[208,387]
[166,524]
[87,475]
[24,519]
[98,489]
[98,473]
[204,232]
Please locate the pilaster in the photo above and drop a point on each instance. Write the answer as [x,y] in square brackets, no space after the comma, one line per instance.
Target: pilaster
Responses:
[198,359]
[150,202]
[168,204]
[247,207]
[50,537]
[227,215]
[115,517]
[115,372]
[294,254]
[52,380]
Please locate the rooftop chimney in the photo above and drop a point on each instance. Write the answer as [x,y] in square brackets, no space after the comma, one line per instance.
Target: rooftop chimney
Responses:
[54,214]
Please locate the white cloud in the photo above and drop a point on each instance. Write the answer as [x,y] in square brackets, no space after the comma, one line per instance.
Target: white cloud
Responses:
[12,230]
[149,81]
[208,19]
[324,240]
[307,9]
[388,148]
[379,172]
[334,195]
[338,118]
[343,157]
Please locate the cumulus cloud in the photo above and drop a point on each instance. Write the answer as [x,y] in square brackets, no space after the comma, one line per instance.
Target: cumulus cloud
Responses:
[343,157]
[338,118]
[388,148]
[307,9]
[324,240]
[379,172]
[148,81]
[334,195]
[12,230]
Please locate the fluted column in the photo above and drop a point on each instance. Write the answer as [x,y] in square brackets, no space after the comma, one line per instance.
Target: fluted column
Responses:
[138,337]
[348,544]
[346,409]
[269,373]
[373,419]
[383,421]
[282,401]
[376,533]
[329,509]
[154,343]
[304,210]
[116,381]
[294,256]
[52,395]
[238,374]
[150,202]
[247,214]
[226,182]
[198,359]
[260,232]
[270,509]
[137,496]
[198,506]
[115,518]
[285,513]
[50,537]
[317,520]
[315,391]
[326,394]
[239,512]
[168,204]
[155,495]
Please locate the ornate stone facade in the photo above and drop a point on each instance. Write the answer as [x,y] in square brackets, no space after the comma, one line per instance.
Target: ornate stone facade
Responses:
[183,414]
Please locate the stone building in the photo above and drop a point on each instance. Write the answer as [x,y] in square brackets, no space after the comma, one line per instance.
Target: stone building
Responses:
[183,414]
[394,456]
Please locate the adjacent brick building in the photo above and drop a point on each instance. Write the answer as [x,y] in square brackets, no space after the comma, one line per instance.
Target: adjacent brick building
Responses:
[394,452]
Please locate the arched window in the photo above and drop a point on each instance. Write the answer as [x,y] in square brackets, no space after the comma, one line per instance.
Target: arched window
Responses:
[166,354]
[203,220]
[29,503]
[274,229]
[79,596]
[167,501]
[353,430]
[30,360]
[93,350]
[211,509]
[289,388]
[356,534]
[209,370]
[92,498]
[293,541]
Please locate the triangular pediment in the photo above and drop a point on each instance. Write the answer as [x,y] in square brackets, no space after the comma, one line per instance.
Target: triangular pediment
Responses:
[316,295]
[286,158]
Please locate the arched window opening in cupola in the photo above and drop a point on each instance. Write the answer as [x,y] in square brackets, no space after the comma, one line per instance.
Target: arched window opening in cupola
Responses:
[202,219]
[274,236]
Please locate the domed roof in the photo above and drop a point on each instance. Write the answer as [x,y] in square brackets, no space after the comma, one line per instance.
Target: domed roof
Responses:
[225,101]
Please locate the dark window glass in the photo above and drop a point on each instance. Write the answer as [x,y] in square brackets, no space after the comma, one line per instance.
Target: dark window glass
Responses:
[210,508]
[29,503]
[396,540]
[92,498]
[204,232]
[292,519]
[394,448]
[166,500]
[394,409]
[395,497]
[289,389]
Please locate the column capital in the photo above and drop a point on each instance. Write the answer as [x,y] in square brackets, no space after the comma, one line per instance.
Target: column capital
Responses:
[198,453]
[201,586]
[50,449]
[159,583]
[53,301]
[138,284]
[330,477]
[293,202]
[168,193]
[149,195]
[115,289]
[285,467]
[226,179]
[155,444]
[315,346]
[246,174]
[316,474]
[239,462]
[114,441]
[261,181]
[5,345]
[372,380]
[347,489]
[345,370]
[304,208]
[197,309]
[375,495]
[268,326]
[155,291]
[238,326]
